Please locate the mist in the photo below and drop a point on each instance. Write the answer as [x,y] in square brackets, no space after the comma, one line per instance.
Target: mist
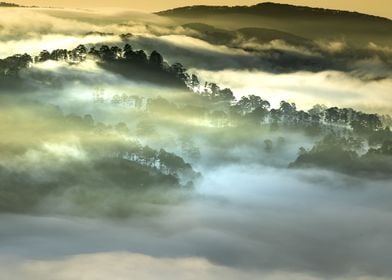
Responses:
[307,89]
[273,52]
[161,148]
[283,239]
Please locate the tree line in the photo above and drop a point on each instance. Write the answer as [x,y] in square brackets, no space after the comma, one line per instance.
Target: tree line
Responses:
[222,107]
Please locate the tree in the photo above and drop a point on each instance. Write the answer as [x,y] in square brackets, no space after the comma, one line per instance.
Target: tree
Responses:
[301,151]
[80,50]
[226,95]
[179,71]
[302,117]
[345,115]
[128,52]
[213,89]
[275,115]
[195,83]
[94,52]
[149,155]
[287,108]
[156,60]
[11,65]
[79,53]
[140,57]
[332,114]
[106,53]
[43,56]
[59,54]
[366,123]
[251,102]
[172,162]
[258,115]
[317,112]
[116,52]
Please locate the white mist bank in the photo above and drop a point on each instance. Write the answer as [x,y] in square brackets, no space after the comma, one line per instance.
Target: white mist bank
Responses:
[242,222]
[306,89]
[122,266]
[33,30]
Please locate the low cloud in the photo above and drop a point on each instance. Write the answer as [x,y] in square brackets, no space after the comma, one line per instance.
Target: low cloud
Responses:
[122,266]
[51,28]
[307,89]
[34,46]
[244,221]
[249,217]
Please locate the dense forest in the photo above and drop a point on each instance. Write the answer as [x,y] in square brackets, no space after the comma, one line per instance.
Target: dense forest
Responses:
[354,139]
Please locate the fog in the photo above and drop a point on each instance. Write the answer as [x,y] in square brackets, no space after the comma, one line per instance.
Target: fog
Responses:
[72,87]
[202,47]
[171,182]
[52,29]
[261,221]
[248,215]
[307,89]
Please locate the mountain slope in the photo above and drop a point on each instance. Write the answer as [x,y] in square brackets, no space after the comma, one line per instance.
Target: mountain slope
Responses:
[269,9]
[250,34]
[9,5]
[312,23]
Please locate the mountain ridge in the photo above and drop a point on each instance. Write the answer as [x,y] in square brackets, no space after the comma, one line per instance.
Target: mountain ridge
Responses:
[268,8]
[14,5]
[226,37]
[312,23]
[10,5]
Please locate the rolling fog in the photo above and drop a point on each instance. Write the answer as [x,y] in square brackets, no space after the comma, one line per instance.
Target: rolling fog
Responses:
[241,220]
[248,216]
[306,89]
[267,73]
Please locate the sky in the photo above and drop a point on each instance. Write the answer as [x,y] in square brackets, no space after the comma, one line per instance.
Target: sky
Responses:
[375,7]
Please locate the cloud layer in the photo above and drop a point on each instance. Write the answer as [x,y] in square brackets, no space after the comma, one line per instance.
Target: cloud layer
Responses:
[307,89]
[244,221]
[248,217]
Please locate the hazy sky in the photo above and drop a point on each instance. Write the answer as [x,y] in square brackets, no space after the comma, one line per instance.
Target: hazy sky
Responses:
[376,7]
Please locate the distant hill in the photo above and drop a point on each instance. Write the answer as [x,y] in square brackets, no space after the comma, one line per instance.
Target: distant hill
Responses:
[14,5]
[312,23]
[269,9]
[9,5]
[227,37]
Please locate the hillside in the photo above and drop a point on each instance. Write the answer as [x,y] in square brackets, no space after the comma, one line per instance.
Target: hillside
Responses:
[9,5]
[312,23]
[227,37]
[269,9]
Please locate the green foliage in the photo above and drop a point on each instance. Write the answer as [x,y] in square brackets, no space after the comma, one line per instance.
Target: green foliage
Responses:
[339,154]
[82,161]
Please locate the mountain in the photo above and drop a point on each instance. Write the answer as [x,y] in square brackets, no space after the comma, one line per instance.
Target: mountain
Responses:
[312,23]
[219,36]
[14,5]
[269,9]
[9,5]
